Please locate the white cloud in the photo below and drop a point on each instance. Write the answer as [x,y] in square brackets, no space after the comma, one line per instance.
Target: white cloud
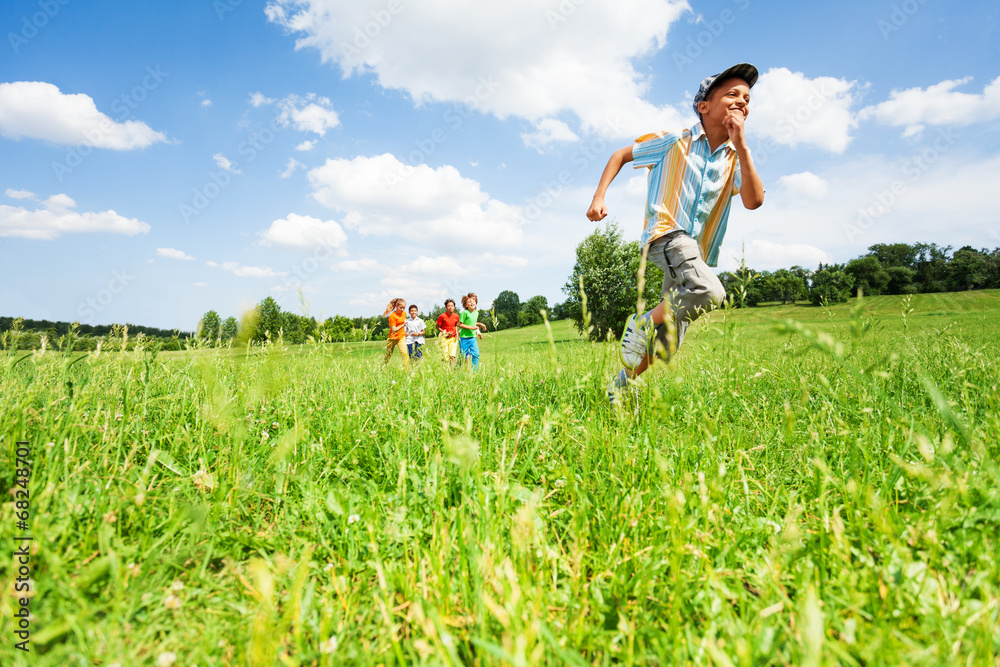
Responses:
[19,194]
[206,103]
[877,200]
[173,253]
[791,109]
[806,183]
[764,255]
[305,231]
[222,162]
[246,271]
[554,56]
[365,264]
[382,196]
[199,285]
[306,145]
[547,132]
[434,266]
[258,100]
[55,218]
[292,166]
[307,113]
[939,104]
[38,110]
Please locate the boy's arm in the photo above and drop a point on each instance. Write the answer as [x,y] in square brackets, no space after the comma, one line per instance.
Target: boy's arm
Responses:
[621,157]
[752,188]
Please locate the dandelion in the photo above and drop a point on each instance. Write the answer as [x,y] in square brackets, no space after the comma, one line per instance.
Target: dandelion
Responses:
[354,518]
[166,659]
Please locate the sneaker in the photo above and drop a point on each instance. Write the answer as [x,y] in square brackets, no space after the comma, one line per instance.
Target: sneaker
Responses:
[635,342]
[616,388]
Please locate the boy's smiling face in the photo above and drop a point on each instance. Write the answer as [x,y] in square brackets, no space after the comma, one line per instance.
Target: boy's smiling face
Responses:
[731,95]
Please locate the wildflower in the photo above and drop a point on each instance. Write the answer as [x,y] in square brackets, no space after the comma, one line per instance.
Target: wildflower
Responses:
[203,480]
[265,435]
[166,659]
[354,518]
[177,586]
[111,516]
[329,646]
[274,424]
[133,569]
[172,602]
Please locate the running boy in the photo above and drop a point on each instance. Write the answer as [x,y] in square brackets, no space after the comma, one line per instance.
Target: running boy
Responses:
[397,336]
[693,173]
[469,329]
[446,323]
[414,328]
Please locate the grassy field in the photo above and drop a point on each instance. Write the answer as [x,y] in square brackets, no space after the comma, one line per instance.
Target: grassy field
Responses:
[801,486]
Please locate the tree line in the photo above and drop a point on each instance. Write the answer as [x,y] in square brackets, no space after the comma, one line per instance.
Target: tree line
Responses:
[606,270]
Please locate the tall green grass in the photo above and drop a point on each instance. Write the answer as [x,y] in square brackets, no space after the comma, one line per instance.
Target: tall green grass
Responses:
[800,486]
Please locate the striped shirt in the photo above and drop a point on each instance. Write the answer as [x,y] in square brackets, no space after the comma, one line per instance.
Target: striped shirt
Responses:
[690,188]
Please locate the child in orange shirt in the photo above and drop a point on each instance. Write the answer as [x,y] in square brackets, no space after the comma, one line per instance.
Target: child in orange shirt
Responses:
[396,310]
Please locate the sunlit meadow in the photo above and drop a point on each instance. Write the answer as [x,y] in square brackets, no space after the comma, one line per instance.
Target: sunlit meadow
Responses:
[801,486]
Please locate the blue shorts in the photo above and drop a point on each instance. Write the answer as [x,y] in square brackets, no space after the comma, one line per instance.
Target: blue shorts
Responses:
[470,349]
[414,350]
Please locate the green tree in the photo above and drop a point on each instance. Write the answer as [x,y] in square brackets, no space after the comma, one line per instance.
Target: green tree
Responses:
[901,280]
[894,254]
[229,328]
[830,285]
[531,311]
[268,319]
[789,285]
[969,269]
[608,268]
[508,304]
[210,327]
[338,328]
[868,275]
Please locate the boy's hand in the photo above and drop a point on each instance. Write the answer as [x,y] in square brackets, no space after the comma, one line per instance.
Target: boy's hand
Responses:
[597,211]
[733,122]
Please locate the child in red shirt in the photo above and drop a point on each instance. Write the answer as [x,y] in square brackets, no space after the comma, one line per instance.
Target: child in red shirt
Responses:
[446,323]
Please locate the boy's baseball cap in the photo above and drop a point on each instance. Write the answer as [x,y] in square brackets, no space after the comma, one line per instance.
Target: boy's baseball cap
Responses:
[744,71]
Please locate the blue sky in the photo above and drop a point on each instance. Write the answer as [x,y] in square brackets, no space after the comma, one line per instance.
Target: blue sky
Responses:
[163,159]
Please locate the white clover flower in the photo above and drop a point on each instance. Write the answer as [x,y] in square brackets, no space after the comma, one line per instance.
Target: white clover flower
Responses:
[172,602]
[354,518]
[166,659]
[177,586]
[329,646]
[274,424]
[265,435]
